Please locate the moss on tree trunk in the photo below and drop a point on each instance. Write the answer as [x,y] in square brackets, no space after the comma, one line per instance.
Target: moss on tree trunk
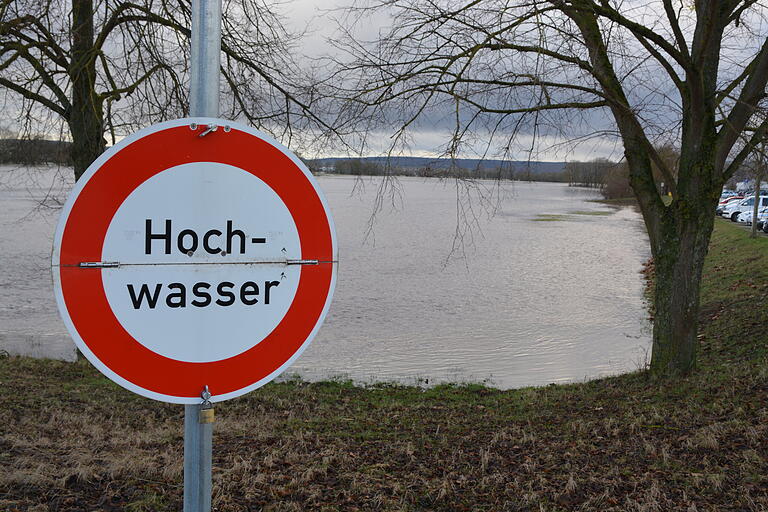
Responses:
[86,119]
[679,254]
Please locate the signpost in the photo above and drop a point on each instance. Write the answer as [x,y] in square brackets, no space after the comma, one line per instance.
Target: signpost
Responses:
[195,260]
[188,258]
[205,55]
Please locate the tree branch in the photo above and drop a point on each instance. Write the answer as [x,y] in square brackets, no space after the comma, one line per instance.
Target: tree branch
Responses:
[538,108]
[30,95]
[640,32]
[752,92]
[679,37]
[116,92]
[758,136]
[42,40]
[43,74]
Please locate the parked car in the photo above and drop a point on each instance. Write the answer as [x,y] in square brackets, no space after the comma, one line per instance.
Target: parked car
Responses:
[746,217]
[725,202]
[762,219]
[735,208]
[731,202]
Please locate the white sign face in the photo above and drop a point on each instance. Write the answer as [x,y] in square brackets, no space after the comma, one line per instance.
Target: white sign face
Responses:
[184,260]
[197,313]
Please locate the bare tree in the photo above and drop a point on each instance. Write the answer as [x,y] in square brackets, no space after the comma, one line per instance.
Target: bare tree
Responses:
[591,174]
[104,67]
[692,73]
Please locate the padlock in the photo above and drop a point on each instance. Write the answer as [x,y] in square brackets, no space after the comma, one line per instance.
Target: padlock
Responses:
[206,416]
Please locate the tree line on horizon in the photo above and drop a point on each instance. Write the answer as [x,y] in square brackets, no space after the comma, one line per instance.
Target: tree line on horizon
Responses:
[610,177]
[35,151]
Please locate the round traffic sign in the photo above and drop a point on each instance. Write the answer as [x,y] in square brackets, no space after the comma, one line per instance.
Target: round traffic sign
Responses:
[196,252]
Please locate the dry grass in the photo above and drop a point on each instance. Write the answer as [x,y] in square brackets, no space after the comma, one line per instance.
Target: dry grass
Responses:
[618,444]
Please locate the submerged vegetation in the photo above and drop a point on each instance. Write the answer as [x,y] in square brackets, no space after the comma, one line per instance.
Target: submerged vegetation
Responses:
[592,212]
[72,440]
[549,217]
[555,217]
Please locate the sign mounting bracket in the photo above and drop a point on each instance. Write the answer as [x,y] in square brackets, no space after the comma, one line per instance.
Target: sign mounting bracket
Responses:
[99,264]
[116,264]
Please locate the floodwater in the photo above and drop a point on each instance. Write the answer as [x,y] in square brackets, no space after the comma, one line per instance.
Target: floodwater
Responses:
[511,285]
[30,199]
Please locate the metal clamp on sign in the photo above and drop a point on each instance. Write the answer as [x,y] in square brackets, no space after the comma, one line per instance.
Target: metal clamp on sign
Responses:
[206,410]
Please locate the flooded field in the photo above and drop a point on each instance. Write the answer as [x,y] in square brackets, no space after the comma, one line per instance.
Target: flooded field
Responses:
[512,285]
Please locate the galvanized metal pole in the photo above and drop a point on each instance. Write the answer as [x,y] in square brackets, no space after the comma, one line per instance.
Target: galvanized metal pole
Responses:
[206,51]
[198,451]
[203,102]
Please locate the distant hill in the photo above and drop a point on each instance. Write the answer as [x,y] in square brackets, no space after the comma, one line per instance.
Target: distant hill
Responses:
[470,164]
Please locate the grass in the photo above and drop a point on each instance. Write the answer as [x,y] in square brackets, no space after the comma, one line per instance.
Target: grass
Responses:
[71,440]
[736,292]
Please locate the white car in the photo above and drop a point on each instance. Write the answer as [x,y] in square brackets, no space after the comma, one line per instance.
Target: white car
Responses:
[725,202]
[762,219]
[735,208]
[746,217]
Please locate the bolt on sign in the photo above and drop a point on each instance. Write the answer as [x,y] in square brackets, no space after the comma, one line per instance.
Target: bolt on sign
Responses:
[196,252]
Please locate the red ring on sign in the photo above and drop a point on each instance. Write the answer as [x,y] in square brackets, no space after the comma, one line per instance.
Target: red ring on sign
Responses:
[86,228]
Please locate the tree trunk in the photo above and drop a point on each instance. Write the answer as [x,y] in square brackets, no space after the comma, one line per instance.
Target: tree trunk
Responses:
[679,259]
[86,120]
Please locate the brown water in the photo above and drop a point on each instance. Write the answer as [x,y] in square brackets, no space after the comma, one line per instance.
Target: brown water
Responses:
[512,302]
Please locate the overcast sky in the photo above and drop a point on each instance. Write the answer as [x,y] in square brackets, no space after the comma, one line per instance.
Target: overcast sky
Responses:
[313,16]
[316,16]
